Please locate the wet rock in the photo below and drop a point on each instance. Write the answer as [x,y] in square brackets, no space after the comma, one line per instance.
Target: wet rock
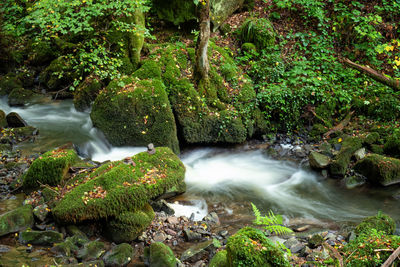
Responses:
[172,220]
[41,212]
[119,255]
[277,239]
[379,169]
[160,237]
[212,218]
[297,248]
[4,248]
[68,248]
[354,181]
[318,160]
[224,233]
[170,232]
[73,230]
[360,154]
[44,238]
[291,242]
[16,220]
[14,120]
[191,235]
[162,206]
[3,121]
[315,241]
[161,255]
[91,251]
[198,251]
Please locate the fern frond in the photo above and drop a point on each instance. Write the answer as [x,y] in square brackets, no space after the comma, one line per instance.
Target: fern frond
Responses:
[272,223]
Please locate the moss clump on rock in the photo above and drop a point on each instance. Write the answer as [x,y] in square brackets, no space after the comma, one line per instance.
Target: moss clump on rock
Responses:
[20,97]
[219,260]
[120,255]
[339,166]
[258,31]
[8,83]
[50,168]
[58,74]
[250,247]
[161,255]
[380,222]
[379,169]
[117,187]
[16,220]
[135,112]
[149,70]
[392,146]
[86,93]
[127,226]
[44,238]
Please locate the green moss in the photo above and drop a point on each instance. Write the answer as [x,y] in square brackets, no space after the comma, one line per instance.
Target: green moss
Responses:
[250,247]
[149,70]
[86,93]
[392,146]
[45,238]
[20,97]
[91,251]
[41,53]
[219,260]
[161,255]
[119,256]
[249,47]
[136,41]
[16,220]
[260,32]
[125,188]
[135,112]
[339,166]
[175,11]
[371,138]
[8,83]
[377,149]
[58,74]
[50,168]
[380,222]
[127,226]
[379,169]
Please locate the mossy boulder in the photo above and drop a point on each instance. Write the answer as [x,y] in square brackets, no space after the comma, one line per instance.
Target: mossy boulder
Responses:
[392,146]
[86,93]
[135,112]
[16,220]
[249,48]
[43,238]
[250,247]
[50,168]
[117,187]
[219,260]
[119,255]
[58,74]
[379,169]
[318,160]
[9,82]
[41,53]
[127,226]
[380,222]
[342,160]
[3,120]
[258,31]
[91,251]
[161,255]
[148,70]
[21,97]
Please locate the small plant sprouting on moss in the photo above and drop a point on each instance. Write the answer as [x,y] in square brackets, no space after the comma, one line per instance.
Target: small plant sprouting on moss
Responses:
[272,223]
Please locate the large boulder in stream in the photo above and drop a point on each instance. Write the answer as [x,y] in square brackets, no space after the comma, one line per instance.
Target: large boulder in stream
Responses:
[379,169]
[50,168]
[342,160]
[16,220]
[119,187]
[135,112]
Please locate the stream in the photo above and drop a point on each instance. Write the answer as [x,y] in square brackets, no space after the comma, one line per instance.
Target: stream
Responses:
[230,178]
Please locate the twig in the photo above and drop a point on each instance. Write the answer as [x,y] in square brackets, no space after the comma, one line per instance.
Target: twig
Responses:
[383,249]
[391,258]
[334,253]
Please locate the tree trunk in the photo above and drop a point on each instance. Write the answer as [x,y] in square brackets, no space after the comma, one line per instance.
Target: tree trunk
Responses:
[202,66]
[374,74]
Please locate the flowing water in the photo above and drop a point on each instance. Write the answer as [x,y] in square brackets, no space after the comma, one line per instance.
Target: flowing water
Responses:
[233,177]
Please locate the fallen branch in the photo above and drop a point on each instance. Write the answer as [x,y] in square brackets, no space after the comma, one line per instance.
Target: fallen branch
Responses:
[340,126]
[374,74]
[391,258]
[333,253]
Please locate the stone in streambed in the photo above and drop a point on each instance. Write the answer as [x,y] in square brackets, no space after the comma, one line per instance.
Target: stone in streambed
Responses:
[91,251]
[318,161]
[16,220]
[119,255]
[14,120]
[338,167]
[44,238]
[360,154]
[41,212]
[379,169]
[198,251]
[160,254]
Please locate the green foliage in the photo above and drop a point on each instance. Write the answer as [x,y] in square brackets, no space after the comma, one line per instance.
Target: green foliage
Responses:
[250,247]
[371,248]
[271,222]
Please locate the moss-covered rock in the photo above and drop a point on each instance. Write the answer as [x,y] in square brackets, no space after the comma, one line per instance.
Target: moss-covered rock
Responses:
[222,9]
[219,260]
[250,247]
[392,146]
[380,222]
[67,248]
[8,83]
[127,226]
[318,160]
[43,238]
[161,255]
[16,220]
[135,112]
[21,97]
[41,53]
[50,168]
[91,251]
[119,255]
[379,169]
[249,47]
[149,70]
[117,187]
[86,93]
[258,31]
[339,166]
[58,74]
[3,120]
